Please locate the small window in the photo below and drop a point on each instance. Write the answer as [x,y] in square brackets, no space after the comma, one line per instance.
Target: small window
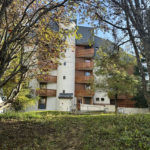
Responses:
[87,60]
[64,77]
[97,48]
[64,63]
[63,91]
[97,99]
[87,86]
[65,50]
[87,73]
[87,47]
[42,103]
[102,99]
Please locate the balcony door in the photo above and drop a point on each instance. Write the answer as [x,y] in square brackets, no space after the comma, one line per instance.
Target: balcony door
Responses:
[87,100]
[43,85]
[79,101]
[42,103]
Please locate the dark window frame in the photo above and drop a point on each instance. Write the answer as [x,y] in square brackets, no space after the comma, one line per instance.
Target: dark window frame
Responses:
[63,91]
[42,103]
[103,99]
[43,84]
[97,99]
[64,63]
[87,47]
[64,77]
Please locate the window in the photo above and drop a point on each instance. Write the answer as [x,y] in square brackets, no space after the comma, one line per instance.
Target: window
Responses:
[87,73]
[87,47]
[97,99]
[66,29]
[43,86]
[65,50]
[87,60]
[64,77]
[42,103]
[87,100]
[87,86]
[64,63]
[63,91]
[102,99]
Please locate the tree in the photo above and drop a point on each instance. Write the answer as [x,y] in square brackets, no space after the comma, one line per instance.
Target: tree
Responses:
[111,72]
[128,21]
[139,97]
[31,23]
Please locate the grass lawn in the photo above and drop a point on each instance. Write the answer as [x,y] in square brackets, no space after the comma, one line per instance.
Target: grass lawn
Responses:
[51,130]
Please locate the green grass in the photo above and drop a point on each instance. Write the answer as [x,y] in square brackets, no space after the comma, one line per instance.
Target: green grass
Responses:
[52,130]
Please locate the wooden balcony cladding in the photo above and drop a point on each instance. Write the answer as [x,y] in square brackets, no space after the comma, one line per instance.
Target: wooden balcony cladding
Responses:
[53,66]
[85,52]
[84,93]
[46,92]
[46,78]
[83,79]
[85,66]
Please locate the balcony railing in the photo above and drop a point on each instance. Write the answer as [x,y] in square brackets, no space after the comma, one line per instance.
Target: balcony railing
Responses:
[85,93]
[46,92]
[46,78]
[83,79]
[85,66]
[85,53]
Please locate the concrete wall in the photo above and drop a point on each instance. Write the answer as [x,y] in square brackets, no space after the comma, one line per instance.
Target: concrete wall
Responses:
[52,86]
[132,110]
[109,108]
[51,103]
[85,107]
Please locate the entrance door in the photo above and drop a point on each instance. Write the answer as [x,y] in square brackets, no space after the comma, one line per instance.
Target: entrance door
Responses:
[87,100]
[79,101]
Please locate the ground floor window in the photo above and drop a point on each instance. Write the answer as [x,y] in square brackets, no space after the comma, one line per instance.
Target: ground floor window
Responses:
[87,100]
[42,103]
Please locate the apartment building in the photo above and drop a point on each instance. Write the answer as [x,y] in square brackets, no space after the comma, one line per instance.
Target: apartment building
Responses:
[67,86]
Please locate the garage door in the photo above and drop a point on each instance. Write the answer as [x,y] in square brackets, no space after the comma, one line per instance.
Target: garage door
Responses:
[65,105]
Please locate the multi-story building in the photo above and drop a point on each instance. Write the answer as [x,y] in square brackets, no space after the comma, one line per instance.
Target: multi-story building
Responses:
[67,85]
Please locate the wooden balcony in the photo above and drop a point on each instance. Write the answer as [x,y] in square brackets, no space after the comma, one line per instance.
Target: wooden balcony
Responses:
[84,93]
[46,92]
[85,53]
[119,97]
[85,66]
[83,79]
[46,78]
[53,66]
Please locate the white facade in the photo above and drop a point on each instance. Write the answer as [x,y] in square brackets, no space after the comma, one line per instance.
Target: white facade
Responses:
[66,71]
[103,98]
[66,83]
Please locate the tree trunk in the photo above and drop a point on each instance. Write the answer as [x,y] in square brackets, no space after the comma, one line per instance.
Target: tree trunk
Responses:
[148,103]
[116,105]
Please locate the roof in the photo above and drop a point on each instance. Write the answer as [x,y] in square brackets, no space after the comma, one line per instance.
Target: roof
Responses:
[65,95]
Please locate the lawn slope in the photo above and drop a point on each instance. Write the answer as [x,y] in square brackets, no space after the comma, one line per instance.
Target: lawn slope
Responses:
[62,131]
